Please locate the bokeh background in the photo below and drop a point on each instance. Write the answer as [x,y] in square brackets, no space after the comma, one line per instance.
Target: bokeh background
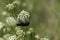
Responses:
[45,16]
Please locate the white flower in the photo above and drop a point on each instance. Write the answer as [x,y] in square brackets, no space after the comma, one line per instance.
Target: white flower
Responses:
[17,28]
[10,6]
[1,39]
[44,39]
[6,36]
[24,16]
[28,32]
[13,37]
[19,32]
[10,21]
[37,36]
[4,13]
[1,25]
[31,29]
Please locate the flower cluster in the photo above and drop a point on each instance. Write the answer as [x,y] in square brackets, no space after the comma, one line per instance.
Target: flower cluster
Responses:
[4,13]
[24,16]
[6,36]
[13,37]
[10,21]
[37,36]
[44,39]
[30,31]
[10,6]
[20,33]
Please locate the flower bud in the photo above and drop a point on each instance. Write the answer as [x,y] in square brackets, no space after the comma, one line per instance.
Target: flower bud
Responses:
[10,6]
[4,13]
[37,36]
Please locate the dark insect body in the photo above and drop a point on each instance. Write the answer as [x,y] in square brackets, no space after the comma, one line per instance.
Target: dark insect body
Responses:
[23,24]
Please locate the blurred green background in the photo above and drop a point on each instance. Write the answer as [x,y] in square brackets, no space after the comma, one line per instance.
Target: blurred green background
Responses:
[45,16]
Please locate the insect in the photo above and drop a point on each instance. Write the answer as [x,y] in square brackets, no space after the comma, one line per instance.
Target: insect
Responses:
[23,18]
